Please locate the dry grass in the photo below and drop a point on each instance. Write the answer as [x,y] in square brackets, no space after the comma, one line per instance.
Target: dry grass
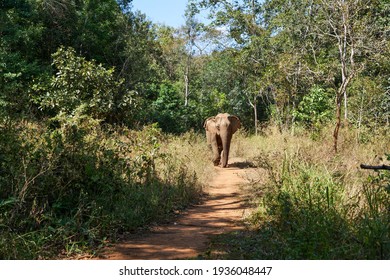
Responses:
[313,203]
[316,152]
[190,151]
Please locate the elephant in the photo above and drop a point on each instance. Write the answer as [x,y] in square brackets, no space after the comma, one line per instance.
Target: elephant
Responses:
[219,132]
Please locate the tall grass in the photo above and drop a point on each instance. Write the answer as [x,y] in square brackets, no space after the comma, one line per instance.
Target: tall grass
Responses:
[190,151]
[69,188]
[312,203]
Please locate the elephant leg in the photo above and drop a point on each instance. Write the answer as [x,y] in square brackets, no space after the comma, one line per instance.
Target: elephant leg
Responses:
[220,149]
[208,137]
[216,145]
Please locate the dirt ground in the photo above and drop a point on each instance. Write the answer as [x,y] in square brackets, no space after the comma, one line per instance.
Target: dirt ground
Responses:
[188,236]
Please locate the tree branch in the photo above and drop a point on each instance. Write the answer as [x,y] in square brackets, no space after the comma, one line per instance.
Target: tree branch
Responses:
[375,167]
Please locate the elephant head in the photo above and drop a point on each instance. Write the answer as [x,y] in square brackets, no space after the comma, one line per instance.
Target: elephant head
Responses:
[219,132]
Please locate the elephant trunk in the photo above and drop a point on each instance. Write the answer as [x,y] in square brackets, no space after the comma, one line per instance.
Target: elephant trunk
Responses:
[226,140]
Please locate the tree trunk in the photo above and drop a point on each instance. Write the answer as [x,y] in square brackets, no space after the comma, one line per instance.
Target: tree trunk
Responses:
[186,83]
[254,105]
[345,106]
[342,92]
[338,124]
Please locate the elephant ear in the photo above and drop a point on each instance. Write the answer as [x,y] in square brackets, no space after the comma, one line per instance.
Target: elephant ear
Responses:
[236,123]
[207,122]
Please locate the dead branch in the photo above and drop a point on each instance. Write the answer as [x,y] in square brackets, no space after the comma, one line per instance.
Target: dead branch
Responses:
[375,167]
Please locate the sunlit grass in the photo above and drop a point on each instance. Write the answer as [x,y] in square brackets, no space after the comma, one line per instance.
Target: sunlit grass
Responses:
[311,203]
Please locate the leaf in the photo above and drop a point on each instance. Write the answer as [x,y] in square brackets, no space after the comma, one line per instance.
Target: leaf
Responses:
[9,201]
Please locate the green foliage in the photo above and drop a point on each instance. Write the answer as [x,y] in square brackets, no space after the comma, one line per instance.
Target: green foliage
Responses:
[96,30]
[315,109]
[82,87]
[79,84]
[370,104]
[221,89]
[218,103]
[16,74]
[71,188]
[169,110]
[20,33]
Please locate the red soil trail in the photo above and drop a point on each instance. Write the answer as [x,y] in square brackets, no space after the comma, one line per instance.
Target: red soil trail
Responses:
[189,235]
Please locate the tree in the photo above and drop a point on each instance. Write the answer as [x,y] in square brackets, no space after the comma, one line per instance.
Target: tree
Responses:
[20,56]
[173,51]
[243,20]
[350,25]
[80,87]
[193,32]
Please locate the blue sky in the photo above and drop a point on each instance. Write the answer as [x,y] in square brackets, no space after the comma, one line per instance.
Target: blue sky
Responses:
[169,12]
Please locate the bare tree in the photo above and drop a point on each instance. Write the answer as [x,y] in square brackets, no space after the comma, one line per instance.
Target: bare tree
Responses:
[346,23]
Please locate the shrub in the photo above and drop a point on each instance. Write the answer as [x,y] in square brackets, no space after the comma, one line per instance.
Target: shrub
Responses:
[308,214]
[314,109]
[70,188]
[82,87]
[169,110]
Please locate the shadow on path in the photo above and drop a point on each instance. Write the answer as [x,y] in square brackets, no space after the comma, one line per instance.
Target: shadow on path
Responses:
[189,235]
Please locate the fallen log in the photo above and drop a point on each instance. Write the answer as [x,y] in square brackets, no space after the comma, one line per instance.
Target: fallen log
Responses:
[375,167]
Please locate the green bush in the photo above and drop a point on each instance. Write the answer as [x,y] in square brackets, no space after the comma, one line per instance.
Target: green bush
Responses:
[82,87]
[314,109]
[169,110]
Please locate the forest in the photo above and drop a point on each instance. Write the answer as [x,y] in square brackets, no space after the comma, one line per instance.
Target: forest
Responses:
[102,113]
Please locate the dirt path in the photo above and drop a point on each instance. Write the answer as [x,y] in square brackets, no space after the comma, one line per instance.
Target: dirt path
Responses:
[189,235]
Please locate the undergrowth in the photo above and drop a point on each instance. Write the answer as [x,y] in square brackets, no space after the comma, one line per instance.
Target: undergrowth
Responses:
[311,203]
[69,186]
